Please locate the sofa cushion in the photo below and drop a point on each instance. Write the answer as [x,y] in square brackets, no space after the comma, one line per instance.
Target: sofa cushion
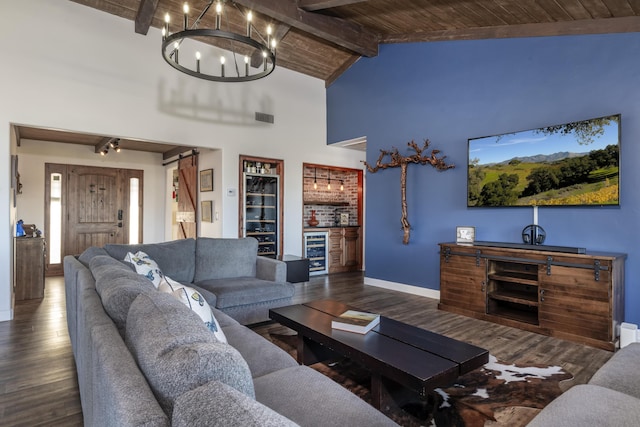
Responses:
[177,353]
[117,286]
[196,303]
[145,266]
[122,395]
[621,371]
[89,253]
[176,258]
[262,356]
[225,258]
[589,405]
[309,398]
[240,291]
[217,404]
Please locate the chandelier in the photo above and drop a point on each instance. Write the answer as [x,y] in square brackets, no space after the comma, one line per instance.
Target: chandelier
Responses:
[182,51]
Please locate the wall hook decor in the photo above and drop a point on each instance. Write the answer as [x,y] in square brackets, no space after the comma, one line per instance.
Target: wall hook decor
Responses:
[397,160]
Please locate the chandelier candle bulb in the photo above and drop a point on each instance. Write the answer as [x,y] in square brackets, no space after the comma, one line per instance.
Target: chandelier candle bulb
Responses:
[218,13]
[269,31]
[198,62]
[176,47]
[222,65]
[246,65]
[167,18]
[185,9]
[249,17]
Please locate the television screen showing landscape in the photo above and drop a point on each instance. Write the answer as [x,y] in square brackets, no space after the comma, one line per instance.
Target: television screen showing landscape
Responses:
[573,164]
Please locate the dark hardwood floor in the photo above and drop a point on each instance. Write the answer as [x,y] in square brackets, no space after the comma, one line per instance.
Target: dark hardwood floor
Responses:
[38,384]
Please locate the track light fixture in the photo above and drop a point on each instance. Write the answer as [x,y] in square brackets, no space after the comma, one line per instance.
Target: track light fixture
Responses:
[112,143]
[115,144]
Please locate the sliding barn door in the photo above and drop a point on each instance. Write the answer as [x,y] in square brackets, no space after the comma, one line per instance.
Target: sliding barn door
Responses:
[188,199]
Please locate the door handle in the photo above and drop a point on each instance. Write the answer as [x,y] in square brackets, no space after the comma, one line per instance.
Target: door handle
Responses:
[120,225]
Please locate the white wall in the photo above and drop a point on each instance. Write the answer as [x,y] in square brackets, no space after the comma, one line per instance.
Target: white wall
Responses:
[70,67]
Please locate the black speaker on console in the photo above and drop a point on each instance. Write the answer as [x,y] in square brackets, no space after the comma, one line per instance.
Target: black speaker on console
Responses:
[533,235]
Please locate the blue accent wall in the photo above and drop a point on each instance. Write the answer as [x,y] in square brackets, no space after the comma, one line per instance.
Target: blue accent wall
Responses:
[451,91]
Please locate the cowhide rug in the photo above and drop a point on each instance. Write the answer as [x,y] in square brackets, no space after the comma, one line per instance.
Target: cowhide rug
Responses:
[498,394]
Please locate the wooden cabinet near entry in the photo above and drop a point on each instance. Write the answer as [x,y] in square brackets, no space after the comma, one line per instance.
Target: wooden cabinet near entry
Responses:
[29,269]
[578,297]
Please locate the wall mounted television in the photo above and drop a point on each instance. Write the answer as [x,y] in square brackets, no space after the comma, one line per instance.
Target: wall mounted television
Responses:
[571,164]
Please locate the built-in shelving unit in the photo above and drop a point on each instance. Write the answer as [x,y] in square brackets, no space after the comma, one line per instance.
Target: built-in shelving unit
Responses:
[513,290]
[261,204]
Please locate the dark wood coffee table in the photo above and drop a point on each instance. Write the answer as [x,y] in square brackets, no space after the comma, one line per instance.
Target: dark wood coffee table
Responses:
[397,354]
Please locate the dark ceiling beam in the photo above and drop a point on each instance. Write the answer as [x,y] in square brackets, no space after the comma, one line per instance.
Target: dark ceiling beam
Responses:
[176,152]
[145,14]
[341,69]
[341,32]
[16,131]
[313,5]
[629,24]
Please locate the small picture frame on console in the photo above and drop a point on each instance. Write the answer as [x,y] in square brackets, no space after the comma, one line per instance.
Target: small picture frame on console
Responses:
[465,234]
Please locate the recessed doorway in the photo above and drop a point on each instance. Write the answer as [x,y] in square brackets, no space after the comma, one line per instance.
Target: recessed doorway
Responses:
[90,206]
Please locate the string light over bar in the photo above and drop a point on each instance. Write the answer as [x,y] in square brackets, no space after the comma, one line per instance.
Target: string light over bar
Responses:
[223,65]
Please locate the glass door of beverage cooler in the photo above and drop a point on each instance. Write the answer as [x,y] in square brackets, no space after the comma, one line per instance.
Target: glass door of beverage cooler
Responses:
[261,216]
[315,249]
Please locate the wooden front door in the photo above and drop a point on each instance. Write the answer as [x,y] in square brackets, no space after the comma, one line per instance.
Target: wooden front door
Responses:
[96,208]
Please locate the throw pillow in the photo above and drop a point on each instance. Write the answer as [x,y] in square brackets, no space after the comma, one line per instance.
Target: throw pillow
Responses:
[196,302]
[145,266]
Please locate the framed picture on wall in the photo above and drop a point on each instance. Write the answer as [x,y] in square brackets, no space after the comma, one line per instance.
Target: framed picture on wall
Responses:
[206,180]
[207,210]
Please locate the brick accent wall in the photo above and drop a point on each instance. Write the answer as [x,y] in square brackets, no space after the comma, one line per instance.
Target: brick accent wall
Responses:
[326,213]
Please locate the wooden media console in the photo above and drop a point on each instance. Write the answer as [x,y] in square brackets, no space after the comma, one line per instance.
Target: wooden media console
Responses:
[578,297]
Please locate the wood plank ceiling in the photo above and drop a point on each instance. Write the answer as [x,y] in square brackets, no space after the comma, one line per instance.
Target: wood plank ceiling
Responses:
[323,38]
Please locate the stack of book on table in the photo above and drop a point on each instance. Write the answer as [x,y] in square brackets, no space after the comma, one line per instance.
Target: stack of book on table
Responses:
[356,321]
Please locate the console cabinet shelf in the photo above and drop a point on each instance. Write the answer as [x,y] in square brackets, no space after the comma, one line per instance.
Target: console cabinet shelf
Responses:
[579,297]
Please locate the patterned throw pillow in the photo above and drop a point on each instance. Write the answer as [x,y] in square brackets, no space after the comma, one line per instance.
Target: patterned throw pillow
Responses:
[196,302]
[145,266]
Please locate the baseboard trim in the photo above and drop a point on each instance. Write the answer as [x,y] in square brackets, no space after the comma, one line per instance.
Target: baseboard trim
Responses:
[401,287]
[6,315]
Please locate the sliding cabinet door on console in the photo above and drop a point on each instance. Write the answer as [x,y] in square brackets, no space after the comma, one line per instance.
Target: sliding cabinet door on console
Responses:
[462,280]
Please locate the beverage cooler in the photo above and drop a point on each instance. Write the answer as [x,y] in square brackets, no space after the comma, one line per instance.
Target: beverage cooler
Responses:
[316,250]
[261,216]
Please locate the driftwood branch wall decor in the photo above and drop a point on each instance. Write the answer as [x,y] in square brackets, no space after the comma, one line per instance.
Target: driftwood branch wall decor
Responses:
[397,160]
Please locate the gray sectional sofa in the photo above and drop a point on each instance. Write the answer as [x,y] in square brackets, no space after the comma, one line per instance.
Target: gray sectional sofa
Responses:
[145,359]
[611,398]
[227,272]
